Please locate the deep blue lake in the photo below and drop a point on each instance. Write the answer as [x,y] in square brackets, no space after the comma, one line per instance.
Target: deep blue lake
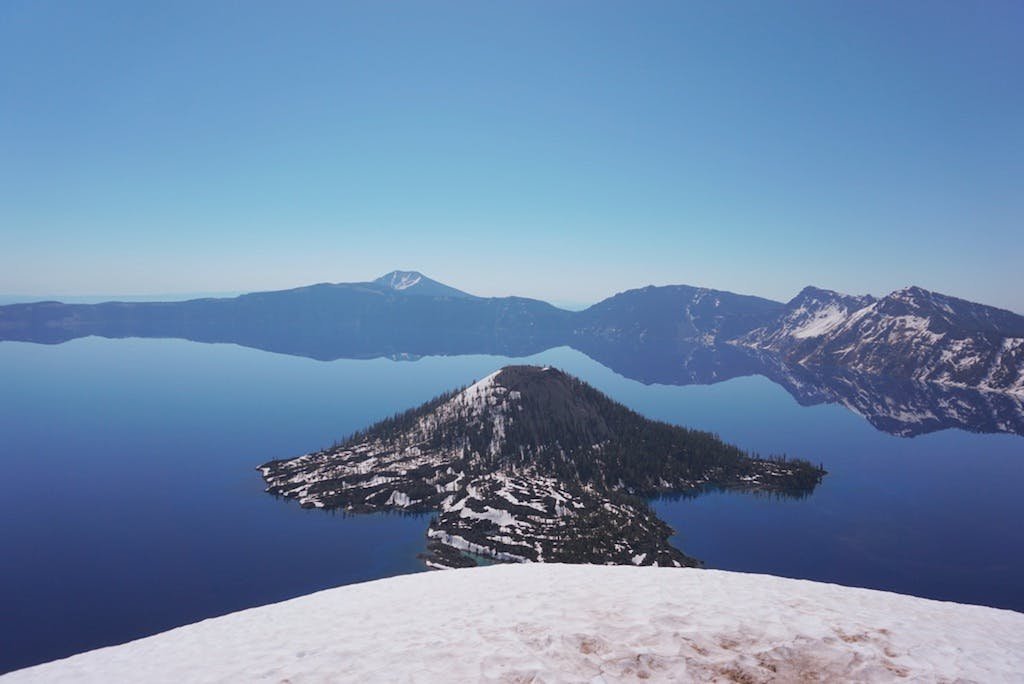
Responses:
[131,501]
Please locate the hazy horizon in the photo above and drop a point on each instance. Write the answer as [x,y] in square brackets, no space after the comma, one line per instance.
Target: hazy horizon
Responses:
[93,298]
[562,152]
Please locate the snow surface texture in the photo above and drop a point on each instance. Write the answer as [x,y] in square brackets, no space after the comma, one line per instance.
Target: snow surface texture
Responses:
[574,623]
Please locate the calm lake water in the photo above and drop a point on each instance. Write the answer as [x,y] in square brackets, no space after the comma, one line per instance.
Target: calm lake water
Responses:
[132,503]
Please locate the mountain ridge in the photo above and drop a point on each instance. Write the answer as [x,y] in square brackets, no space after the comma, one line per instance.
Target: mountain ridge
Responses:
[911,333]
[404,280]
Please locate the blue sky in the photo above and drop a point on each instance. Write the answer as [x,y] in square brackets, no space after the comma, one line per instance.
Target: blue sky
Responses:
[559,150]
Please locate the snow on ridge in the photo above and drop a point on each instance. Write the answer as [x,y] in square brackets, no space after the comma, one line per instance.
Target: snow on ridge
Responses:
[485,399]
[477,393]
[822,321]
[560,623]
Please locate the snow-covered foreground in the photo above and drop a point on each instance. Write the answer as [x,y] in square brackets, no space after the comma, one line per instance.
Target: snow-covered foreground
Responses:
[550,623]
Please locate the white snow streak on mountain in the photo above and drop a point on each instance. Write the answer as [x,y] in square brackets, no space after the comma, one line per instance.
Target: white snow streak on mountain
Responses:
[403,281]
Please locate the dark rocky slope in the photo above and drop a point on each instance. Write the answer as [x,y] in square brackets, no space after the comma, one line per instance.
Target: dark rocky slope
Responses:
[530,464]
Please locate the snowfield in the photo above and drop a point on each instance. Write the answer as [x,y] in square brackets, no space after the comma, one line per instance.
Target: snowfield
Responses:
[574,623]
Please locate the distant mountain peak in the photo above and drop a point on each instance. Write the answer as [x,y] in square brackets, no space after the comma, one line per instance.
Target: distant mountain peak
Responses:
[400,280]
[914,290]
[811,314]
[820,293]
[415,283]
[814,291]
[912,293]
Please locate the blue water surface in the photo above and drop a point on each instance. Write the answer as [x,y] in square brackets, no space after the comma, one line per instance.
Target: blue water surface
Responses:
[131,503]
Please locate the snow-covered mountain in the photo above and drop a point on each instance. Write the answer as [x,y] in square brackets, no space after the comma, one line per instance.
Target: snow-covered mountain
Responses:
[911,333]
[812,313]
[530,464]
[415,283]
[574,623]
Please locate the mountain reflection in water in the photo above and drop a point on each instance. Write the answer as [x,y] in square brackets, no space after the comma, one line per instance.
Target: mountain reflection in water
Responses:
[897,406]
